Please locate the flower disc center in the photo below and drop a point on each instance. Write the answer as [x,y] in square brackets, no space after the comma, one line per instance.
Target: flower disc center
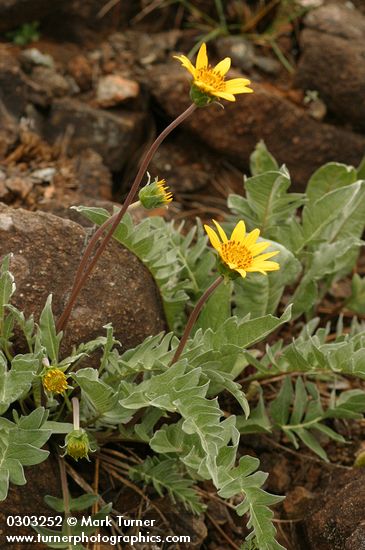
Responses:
[209,80]
[234,253]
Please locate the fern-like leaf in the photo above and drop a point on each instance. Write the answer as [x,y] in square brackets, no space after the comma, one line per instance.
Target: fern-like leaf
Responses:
[165,474]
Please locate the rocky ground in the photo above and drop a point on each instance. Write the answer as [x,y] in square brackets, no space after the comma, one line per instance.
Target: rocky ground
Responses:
[79,106]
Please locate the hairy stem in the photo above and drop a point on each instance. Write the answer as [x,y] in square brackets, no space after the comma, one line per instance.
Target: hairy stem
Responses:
[193,317]
[76,413]
[86,266]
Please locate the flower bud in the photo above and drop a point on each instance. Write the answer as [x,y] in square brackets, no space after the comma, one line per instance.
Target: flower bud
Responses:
[78,445]
[155,194]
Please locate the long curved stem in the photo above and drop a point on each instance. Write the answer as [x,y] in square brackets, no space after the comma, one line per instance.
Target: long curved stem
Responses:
[193,317]
[85,268]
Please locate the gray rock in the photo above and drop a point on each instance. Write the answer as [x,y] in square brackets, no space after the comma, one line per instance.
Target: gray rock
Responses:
[46,252]
[115,136]
[33,57]
[114,89]
[267,64]
[333,61]
[336,518]
[44,174]
[46,84]
[241,51]
[338,20]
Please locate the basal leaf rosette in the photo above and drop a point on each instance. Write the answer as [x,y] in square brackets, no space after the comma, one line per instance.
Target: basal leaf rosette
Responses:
[241,253]
[209,83]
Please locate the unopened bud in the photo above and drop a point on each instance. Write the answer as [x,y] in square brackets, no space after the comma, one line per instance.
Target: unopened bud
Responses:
[78,445]
[155,194]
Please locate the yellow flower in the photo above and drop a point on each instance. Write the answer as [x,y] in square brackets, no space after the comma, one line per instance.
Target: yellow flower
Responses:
[55,380]
[155,194]
[241,252]
[211,81]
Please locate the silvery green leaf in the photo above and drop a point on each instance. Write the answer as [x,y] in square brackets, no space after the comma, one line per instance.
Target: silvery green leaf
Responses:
[280,406]
[328,177]
[261,160]
[7,288]
[217,309]
[260,295]
[340,206]
[166,475]
[361,169]
[356,302]
[75,504]
[257,422]
[48,337]
[16,380]
[20,444]
[99,401]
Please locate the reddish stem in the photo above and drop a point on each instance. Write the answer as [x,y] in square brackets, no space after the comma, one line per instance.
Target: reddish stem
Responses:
[86,268]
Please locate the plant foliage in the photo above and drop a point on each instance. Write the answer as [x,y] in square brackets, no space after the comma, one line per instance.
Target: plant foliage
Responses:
[178,409]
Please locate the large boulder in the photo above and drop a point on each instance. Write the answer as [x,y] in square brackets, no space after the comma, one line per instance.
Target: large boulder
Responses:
[116,136]
[290,133]
[337,519]
[333,61]
[46,252]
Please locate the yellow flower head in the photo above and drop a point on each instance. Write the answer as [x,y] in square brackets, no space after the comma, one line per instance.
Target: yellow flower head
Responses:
[155,194]
[241,252]
[54,380]
[209,83]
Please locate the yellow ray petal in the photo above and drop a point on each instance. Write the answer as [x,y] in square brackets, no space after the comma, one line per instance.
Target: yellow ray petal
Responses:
[185,62]
[221,231]
[252,237]
[264,266]
[223,66]
[270,266]
[239,232]
[202,58]
[266,256]
[213,237]
[238,86]
[224,95]
[257,248]
[242,272]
